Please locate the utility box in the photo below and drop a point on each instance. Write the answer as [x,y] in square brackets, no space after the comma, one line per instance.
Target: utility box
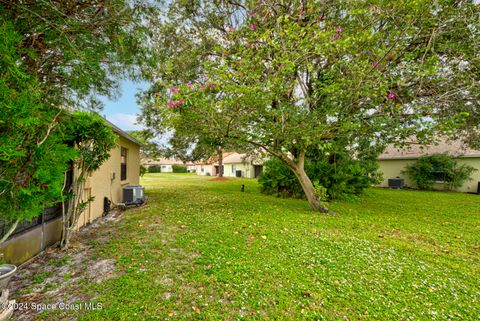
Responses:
[396,182]
[238,173]
[133,195]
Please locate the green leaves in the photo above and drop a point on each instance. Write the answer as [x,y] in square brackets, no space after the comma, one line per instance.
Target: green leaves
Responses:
[439,168]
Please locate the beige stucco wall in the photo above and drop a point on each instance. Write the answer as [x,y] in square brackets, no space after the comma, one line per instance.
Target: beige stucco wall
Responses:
[206,169]
[247,170]
[22,247]
[393,168]
[105,182]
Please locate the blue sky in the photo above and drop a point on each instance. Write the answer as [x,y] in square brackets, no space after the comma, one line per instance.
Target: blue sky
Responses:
[123,111]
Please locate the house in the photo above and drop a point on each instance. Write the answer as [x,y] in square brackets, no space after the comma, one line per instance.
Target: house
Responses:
[165,164]
[191,167]
[234,165]
[394,160]
[242,165]
[210,166]
[120,170]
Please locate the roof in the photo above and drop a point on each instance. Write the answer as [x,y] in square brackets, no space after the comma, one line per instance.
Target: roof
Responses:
[122,133]
[415,150]
[236,158]
[162,161]
[214,159]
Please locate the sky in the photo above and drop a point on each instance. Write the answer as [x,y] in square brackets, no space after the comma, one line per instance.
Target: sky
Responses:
[123,111]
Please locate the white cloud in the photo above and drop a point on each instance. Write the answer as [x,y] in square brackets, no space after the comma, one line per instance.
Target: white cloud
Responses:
[125,121]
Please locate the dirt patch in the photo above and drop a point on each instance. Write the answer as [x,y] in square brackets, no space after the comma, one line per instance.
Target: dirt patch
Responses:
[219,179]
[55,274]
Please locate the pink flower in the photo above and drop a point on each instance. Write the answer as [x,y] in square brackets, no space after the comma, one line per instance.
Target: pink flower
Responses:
[210,84]
[375,65]
[189,84]
[338,30]
[254,26]
[391,96]
[202,87]
[174,90]
[252,14]
[173,104]
[336,36]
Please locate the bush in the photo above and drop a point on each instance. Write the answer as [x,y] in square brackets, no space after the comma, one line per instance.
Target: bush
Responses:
[338,174]
[179,168]
[277,179]
[143,170]
[428,170]
[154,169]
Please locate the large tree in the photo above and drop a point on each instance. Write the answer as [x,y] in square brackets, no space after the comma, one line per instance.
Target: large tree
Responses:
[374,72]
[55,57]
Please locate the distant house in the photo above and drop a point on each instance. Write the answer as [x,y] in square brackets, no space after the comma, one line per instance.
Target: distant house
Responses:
[191,167]
[234,165]
[165,164]
[105,184]
[242,165]
[394,160]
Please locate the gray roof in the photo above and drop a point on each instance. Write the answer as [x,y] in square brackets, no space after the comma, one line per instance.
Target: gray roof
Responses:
[415,150]
[122,133]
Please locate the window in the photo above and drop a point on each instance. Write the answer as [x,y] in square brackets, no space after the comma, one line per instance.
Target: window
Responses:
[439,176]
[233,169]
[123,161]
[201,168]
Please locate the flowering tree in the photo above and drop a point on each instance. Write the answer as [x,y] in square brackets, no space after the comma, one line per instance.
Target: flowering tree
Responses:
[303,73]
[200,114]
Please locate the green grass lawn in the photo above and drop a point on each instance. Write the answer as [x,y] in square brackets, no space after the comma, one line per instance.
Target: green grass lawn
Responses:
[203,250]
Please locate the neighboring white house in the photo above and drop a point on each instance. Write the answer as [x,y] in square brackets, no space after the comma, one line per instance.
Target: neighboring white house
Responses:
[191,167]
[242,165]
[234,165]
[210,166]
[166,164]
[394,160]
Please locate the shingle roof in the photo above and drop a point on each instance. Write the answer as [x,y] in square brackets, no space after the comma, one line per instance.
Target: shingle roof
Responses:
[162,161]
[414,150]
[236,158]
[122,133]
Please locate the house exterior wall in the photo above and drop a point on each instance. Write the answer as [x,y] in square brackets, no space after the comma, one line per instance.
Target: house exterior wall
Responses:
[393,167]
[99,184]
[166,168]
[106,181]
[204,169]
[247,170]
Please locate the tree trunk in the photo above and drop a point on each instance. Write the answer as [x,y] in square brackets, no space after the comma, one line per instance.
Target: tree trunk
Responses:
[220,163]
[309,190]
[298,169]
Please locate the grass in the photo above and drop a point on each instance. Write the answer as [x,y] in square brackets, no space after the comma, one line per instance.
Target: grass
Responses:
[202,250]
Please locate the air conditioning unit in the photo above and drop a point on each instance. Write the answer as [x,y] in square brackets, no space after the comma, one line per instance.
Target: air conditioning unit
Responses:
[133,195]
[396,182]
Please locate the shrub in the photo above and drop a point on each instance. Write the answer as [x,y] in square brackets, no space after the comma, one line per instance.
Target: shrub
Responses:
[143,170]
[337,174]
[428,170]
[179,168]
[154,169]
[277,179]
